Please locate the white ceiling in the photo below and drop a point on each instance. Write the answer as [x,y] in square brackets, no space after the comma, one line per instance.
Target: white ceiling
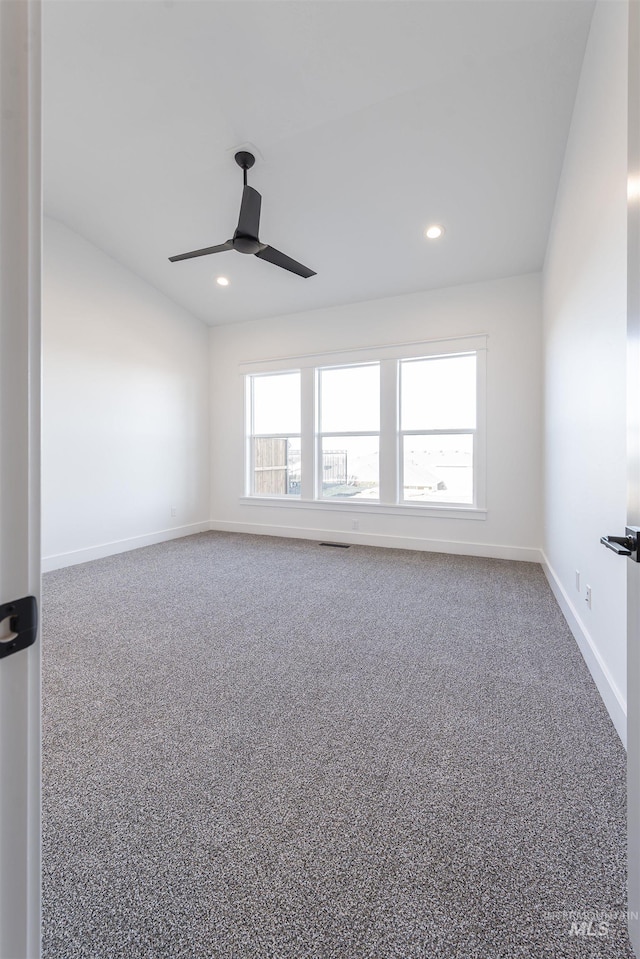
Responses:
[374,118]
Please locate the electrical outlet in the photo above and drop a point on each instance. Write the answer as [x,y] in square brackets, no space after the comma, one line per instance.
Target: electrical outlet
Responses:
[355,524]
[173,511]
[578,580]
[587,597]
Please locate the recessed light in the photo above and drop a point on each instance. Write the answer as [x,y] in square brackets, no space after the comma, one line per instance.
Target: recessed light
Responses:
[222,281]
[434,231]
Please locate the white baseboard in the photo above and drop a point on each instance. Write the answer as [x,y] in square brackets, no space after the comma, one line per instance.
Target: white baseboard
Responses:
[121,546]
[612,697]
[490,550]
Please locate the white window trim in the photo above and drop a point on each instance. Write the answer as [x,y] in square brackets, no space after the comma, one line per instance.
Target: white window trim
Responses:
[390,472]
[372,354]
[444,511]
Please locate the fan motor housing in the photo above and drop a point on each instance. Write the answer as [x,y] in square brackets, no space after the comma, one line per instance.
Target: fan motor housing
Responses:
[246,244]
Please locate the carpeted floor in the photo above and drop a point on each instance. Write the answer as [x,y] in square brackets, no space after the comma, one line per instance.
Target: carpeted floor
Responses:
[262,748]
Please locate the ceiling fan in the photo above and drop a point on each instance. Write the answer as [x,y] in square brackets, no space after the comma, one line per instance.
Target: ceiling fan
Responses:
[245,239]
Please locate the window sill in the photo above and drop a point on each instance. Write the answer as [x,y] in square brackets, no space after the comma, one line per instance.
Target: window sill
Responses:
[393,509]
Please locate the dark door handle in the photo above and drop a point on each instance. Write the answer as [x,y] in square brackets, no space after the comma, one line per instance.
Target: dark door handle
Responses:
[619,544]
[23,624]
[626,545]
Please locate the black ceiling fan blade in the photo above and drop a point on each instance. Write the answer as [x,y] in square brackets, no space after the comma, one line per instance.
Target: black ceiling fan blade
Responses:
[249,219]
[208,249]
[279,259]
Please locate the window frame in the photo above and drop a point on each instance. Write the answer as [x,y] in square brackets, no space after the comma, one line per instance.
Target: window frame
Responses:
[320,434]
[391,467]
[251,436]
[467,431]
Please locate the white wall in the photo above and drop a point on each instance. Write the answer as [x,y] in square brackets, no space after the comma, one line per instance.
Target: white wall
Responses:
[585,344]
[509,311]
[125,407]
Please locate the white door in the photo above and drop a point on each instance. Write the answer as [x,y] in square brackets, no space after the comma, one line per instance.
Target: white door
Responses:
[20,215]
[633,506]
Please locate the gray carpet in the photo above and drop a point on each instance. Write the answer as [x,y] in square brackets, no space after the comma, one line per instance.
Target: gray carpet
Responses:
[267,748]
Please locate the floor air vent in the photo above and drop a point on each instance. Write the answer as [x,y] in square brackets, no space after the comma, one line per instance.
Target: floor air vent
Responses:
[337,545]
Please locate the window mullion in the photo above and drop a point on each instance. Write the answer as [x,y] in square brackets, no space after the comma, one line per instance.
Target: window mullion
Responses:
[480,434]
[389,431]
[462,432]
[307,430]
[339,434]
[248,443]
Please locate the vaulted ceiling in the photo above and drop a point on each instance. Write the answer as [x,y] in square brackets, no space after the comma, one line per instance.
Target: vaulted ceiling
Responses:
[371,118]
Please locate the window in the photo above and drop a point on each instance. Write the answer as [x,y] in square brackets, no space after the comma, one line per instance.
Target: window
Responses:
[274,434]
[438,425]
[348,436]
[396,429]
